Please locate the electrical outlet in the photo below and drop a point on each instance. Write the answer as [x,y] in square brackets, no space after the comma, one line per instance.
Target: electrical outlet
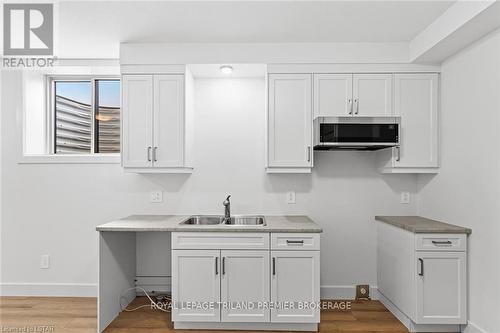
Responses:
[156,196]
[405,197]
[290,197]
[44,261]
[362,292]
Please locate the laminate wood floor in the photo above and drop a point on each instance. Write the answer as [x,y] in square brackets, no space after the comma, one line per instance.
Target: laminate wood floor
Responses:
[79,315]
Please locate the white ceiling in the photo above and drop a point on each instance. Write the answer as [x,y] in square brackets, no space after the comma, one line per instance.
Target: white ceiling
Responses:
[95,28]
[239,71]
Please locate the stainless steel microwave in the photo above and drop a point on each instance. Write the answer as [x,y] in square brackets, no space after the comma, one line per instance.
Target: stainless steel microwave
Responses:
[356,133]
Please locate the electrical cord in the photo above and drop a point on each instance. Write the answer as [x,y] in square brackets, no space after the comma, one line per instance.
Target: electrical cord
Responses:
[159,307]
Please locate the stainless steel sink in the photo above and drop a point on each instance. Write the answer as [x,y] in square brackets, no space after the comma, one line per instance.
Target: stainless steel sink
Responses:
[237,220]
[204,220]
[242,220]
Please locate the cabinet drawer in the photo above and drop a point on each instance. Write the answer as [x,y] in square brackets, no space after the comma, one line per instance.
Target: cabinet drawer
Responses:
[220,240]
[293,241]
[441,242]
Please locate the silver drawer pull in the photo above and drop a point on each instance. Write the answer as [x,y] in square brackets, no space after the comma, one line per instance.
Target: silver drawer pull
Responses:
[441,242]
[294,242]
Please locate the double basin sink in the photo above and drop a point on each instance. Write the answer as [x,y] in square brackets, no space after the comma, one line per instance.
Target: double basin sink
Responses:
[237,220]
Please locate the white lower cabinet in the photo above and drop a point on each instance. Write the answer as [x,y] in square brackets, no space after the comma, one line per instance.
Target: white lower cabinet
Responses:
[246,279]
[195,279]
[441,288]
[425,289]
[244,284]
[295,281]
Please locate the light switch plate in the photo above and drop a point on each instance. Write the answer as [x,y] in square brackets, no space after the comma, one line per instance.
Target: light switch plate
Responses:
[405,197]
[44,261]
[290,197]
[156,196]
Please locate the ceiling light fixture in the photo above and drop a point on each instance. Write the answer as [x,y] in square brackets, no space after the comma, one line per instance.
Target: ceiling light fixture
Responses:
[226,69]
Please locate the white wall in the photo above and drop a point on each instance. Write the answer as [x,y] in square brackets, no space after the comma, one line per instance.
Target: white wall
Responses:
[467,189]
[53,209]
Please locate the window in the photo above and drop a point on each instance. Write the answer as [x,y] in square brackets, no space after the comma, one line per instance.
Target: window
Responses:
[86,116]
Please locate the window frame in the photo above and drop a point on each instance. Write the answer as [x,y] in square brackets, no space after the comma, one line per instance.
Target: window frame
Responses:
[51,111]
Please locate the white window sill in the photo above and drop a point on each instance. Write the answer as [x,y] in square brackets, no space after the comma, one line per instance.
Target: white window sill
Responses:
[71,159]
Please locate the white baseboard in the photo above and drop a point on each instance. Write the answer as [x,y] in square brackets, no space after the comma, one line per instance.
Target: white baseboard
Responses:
[90,290]
[49,289]
[153,285]
[473,328]
[344,292]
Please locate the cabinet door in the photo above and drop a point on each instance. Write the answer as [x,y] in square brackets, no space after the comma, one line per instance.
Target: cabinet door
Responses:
[290,120]
[416,101]
[295,279]
[168,121]
[245,281]
[372,95]
[333,95]
[441,288]
[196,278]
[137,113]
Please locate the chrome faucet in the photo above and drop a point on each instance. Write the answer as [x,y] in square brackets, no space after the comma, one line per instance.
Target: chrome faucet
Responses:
[227,209]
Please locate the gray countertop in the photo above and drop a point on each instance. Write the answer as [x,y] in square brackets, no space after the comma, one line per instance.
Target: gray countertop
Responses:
[419,225]
[172,223]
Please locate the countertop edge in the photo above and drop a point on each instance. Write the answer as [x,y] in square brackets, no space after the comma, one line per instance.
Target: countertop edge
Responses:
[315,231]
[439,229]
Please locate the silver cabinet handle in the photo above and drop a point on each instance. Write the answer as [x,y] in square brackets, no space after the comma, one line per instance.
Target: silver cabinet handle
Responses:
[223,265]
[421,273]
[357,105]
[216,265]
[149,154]
[294,242]
[398,154]
[155,149]
[308,153]
[441,242]
[274,266]
[350,106]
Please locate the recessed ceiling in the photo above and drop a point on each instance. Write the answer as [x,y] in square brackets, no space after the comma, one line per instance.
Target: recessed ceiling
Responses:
[95,28]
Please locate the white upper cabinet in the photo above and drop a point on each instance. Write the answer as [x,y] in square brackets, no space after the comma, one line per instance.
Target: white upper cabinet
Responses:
[346,95]
[417,104]
[154,123]
[290,123]
[333,95]
[416,101]
[372,95]
[137,115]
[169,120]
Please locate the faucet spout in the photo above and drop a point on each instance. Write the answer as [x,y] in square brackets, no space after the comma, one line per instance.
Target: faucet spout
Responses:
[227,208]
